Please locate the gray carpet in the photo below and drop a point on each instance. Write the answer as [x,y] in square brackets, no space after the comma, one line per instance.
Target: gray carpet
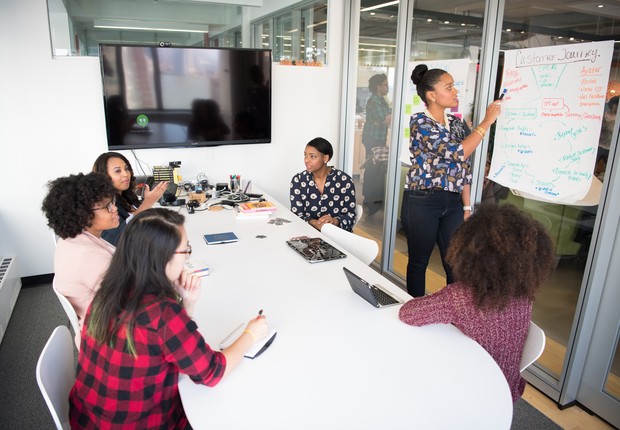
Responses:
[36,314]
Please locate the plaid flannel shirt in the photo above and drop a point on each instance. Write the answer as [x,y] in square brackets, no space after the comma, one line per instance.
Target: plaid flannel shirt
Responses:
[114,389]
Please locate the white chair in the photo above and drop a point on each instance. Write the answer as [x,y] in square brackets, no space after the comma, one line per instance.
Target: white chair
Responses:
[534,346]
[56,375]
[361,247]
[359,211]
[55,238]
[68,308]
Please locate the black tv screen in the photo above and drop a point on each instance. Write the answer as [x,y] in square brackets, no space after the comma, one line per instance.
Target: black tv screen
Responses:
[161,97]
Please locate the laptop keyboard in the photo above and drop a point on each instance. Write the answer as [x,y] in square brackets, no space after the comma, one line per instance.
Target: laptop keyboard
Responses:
[382,297]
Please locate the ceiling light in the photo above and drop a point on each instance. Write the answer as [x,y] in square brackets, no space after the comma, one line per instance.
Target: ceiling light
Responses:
[372,13]
[128,24]
[379,6]
[446,22]
[508,30]
[601,5]
[429,20]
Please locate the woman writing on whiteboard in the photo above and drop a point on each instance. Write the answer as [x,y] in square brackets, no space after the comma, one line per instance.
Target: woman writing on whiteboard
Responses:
[139,335]
[322,194]
[436,197]
[116,167]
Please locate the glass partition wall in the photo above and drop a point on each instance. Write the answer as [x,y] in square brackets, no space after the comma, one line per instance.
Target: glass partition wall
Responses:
[453,35]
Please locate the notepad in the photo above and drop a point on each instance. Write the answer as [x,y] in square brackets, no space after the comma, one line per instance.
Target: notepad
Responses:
[214,239]
[257,349]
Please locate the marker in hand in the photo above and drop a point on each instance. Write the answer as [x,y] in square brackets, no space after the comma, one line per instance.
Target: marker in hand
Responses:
[260,313]
[501,97]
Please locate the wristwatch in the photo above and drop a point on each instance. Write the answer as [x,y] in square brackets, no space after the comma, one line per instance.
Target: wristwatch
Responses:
[467,208]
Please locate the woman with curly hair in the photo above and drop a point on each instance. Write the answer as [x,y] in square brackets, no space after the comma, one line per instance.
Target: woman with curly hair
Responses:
[79,208]
[500,257]
[116,167]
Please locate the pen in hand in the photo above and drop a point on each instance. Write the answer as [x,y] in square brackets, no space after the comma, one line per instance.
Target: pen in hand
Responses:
[260,313]
[501,97]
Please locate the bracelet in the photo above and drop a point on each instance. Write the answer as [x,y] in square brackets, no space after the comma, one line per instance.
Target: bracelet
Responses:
[467,208]
[480,131]
[250,333]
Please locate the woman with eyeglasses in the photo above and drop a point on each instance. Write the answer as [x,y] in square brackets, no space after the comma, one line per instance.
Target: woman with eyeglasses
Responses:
[139,334]
[79,208]
[118,169]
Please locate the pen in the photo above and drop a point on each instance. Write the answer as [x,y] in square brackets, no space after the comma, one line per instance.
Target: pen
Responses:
[503,93]
[260,313]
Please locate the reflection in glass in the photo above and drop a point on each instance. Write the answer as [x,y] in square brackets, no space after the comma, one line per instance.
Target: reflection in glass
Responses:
[612,384]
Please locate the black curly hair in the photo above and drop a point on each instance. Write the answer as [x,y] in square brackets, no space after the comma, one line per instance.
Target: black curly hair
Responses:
[69,203]
[501,253]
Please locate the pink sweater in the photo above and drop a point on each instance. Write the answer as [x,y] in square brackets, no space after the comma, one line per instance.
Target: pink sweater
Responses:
[501,333]
[79,266]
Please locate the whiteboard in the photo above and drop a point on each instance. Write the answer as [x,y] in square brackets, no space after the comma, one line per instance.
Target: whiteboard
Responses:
[546,138]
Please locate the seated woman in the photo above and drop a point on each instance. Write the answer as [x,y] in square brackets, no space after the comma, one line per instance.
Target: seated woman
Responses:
[322,194]
[79,208]
[139,334]
[500,257]
[118,169]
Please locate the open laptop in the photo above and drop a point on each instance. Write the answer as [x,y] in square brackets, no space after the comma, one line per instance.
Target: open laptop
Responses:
[315,249]
[376,295]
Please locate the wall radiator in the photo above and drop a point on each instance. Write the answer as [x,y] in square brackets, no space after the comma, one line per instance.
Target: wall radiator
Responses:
[10,285]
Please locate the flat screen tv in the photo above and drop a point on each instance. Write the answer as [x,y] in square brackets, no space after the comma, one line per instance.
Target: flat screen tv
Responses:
[162,97]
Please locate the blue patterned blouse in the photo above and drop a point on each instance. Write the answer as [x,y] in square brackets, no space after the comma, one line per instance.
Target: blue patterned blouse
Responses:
[437,159]
[337,200]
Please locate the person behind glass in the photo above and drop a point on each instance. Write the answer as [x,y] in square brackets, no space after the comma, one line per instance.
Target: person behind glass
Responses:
[139,334]
[436,197]
[500,257]
[78,209]
[118,169]
[374,136]
[322,194]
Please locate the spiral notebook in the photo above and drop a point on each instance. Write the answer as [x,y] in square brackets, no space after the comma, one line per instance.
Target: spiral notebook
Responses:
[257,349]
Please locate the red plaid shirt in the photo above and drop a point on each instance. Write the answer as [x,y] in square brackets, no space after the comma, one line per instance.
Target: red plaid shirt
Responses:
[115,389]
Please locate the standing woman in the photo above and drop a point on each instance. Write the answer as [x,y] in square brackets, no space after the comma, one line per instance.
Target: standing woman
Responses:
[436,197]
[139,334]
[374,136]
[118,169]
[322,194]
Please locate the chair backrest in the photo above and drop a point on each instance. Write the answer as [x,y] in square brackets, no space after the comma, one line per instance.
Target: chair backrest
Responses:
[56,375]
[534,346]
[66,305]
[54,238]
[361,247]
[359,210]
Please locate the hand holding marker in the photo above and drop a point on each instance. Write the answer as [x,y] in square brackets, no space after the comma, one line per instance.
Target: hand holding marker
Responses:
[501,97]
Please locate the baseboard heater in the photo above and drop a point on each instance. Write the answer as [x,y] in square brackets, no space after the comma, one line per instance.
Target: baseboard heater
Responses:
[10,285]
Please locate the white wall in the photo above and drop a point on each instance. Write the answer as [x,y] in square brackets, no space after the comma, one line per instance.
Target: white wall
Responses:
[52,124]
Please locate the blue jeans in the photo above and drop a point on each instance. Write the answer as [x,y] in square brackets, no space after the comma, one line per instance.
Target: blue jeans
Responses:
[428,217]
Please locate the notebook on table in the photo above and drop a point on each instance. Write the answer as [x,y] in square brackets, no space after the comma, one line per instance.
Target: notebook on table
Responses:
[376,295]
[315,249]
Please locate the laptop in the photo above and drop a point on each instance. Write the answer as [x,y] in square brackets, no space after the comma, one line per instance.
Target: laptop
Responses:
[315,249]
[376,295]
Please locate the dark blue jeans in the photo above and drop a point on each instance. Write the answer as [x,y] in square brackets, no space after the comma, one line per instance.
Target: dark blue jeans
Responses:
[428,217]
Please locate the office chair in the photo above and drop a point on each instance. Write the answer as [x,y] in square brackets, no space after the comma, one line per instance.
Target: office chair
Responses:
[68,308]
[56,375]
[361,247]
[359,211]
[534,346]
[55,238]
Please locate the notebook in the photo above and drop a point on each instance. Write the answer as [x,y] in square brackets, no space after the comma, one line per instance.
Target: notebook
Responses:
[227,237]
[257,349]
[315,249]
[376,295]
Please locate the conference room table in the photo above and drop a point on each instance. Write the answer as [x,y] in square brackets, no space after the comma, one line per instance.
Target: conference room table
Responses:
[337,362]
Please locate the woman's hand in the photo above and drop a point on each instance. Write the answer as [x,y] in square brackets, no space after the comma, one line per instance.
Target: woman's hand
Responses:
[327,219]
[258,328]
[152,196]
[493,111]
[188,287]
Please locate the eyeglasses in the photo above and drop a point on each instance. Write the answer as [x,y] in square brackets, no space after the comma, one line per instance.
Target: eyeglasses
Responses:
[187,252]
[110,206]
